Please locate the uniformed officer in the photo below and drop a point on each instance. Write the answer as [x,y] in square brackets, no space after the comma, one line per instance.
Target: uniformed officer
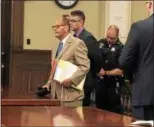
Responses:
[111,76]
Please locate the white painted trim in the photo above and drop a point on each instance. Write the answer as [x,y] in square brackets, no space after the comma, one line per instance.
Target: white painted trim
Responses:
[122,19]
[106,16]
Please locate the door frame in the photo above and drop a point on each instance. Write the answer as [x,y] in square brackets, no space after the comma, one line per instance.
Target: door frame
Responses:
[12,34]
[6,9]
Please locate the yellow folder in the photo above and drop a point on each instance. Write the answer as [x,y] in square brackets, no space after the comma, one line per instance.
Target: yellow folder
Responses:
[65,70]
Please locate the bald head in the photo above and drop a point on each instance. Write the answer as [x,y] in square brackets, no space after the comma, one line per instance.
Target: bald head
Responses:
[61,27]
[112,34]
[114,28]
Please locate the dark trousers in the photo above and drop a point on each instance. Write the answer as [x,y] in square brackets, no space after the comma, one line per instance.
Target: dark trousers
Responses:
[144,112]
[88,89]
[87,93]
[100,99]
[107,98]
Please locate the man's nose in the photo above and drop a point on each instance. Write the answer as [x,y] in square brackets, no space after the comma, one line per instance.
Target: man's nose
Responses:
[108,39]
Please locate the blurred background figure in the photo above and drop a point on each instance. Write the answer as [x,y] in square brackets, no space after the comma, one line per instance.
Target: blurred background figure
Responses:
[138,56]
[77,21]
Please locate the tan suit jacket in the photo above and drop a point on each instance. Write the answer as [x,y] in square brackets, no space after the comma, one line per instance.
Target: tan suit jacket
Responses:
[74,51]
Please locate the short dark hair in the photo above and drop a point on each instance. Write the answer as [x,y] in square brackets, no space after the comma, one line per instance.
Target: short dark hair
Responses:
[65,19]
[79,13]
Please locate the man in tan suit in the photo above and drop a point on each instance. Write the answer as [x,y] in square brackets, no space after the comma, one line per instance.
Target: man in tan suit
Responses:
[73,50]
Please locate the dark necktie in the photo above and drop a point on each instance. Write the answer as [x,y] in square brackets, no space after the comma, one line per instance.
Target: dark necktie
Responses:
[60,46]
[74,35]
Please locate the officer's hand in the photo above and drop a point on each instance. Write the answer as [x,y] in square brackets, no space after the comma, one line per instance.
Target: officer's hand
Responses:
[102,72]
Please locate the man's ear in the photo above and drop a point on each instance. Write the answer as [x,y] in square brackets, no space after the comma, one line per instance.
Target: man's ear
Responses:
[67,29]
[81,23]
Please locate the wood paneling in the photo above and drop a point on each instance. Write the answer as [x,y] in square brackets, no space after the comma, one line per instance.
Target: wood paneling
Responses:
[8,94]
[54,116]
[30,68]
[27,68]
[17,24]
[30,102]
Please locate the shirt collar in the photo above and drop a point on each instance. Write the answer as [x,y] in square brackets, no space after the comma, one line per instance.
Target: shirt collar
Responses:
[78,32]
[65,39]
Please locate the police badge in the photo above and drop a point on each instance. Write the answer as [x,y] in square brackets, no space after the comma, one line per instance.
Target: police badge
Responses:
[101,45]
[113,49]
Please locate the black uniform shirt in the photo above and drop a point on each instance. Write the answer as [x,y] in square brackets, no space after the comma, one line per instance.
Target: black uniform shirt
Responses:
[110,54]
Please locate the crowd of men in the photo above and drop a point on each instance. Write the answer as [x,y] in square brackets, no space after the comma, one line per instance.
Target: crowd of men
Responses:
[106,63]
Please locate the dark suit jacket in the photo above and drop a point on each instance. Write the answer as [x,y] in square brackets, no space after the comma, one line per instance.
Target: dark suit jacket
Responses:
[93,54]
[138,56]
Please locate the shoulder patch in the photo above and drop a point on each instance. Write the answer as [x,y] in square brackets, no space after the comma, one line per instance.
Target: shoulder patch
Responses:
[101,45]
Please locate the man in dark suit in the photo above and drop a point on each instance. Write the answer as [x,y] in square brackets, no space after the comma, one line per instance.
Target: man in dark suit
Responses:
[138,56]
[77,21]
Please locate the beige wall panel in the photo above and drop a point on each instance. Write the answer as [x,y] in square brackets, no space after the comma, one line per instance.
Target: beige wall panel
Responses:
[135,12]
[39,16]
[118,13]
[138,11]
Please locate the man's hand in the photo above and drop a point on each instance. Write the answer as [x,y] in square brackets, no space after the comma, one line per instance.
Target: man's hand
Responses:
[67,83]
[102,72]
[46,86]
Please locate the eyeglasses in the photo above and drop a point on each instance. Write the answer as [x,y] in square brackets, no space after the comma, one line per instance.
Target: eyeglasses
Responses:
[57,26]
[73,20]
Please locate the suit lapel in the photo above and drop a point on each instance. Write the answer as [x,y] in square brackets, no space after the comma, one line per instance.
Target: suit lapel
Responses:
[66,46]
[81,35]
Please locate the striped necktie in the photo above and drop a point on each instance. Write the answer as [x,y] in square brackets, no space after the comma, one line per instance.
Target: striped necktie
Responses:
[60,46]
